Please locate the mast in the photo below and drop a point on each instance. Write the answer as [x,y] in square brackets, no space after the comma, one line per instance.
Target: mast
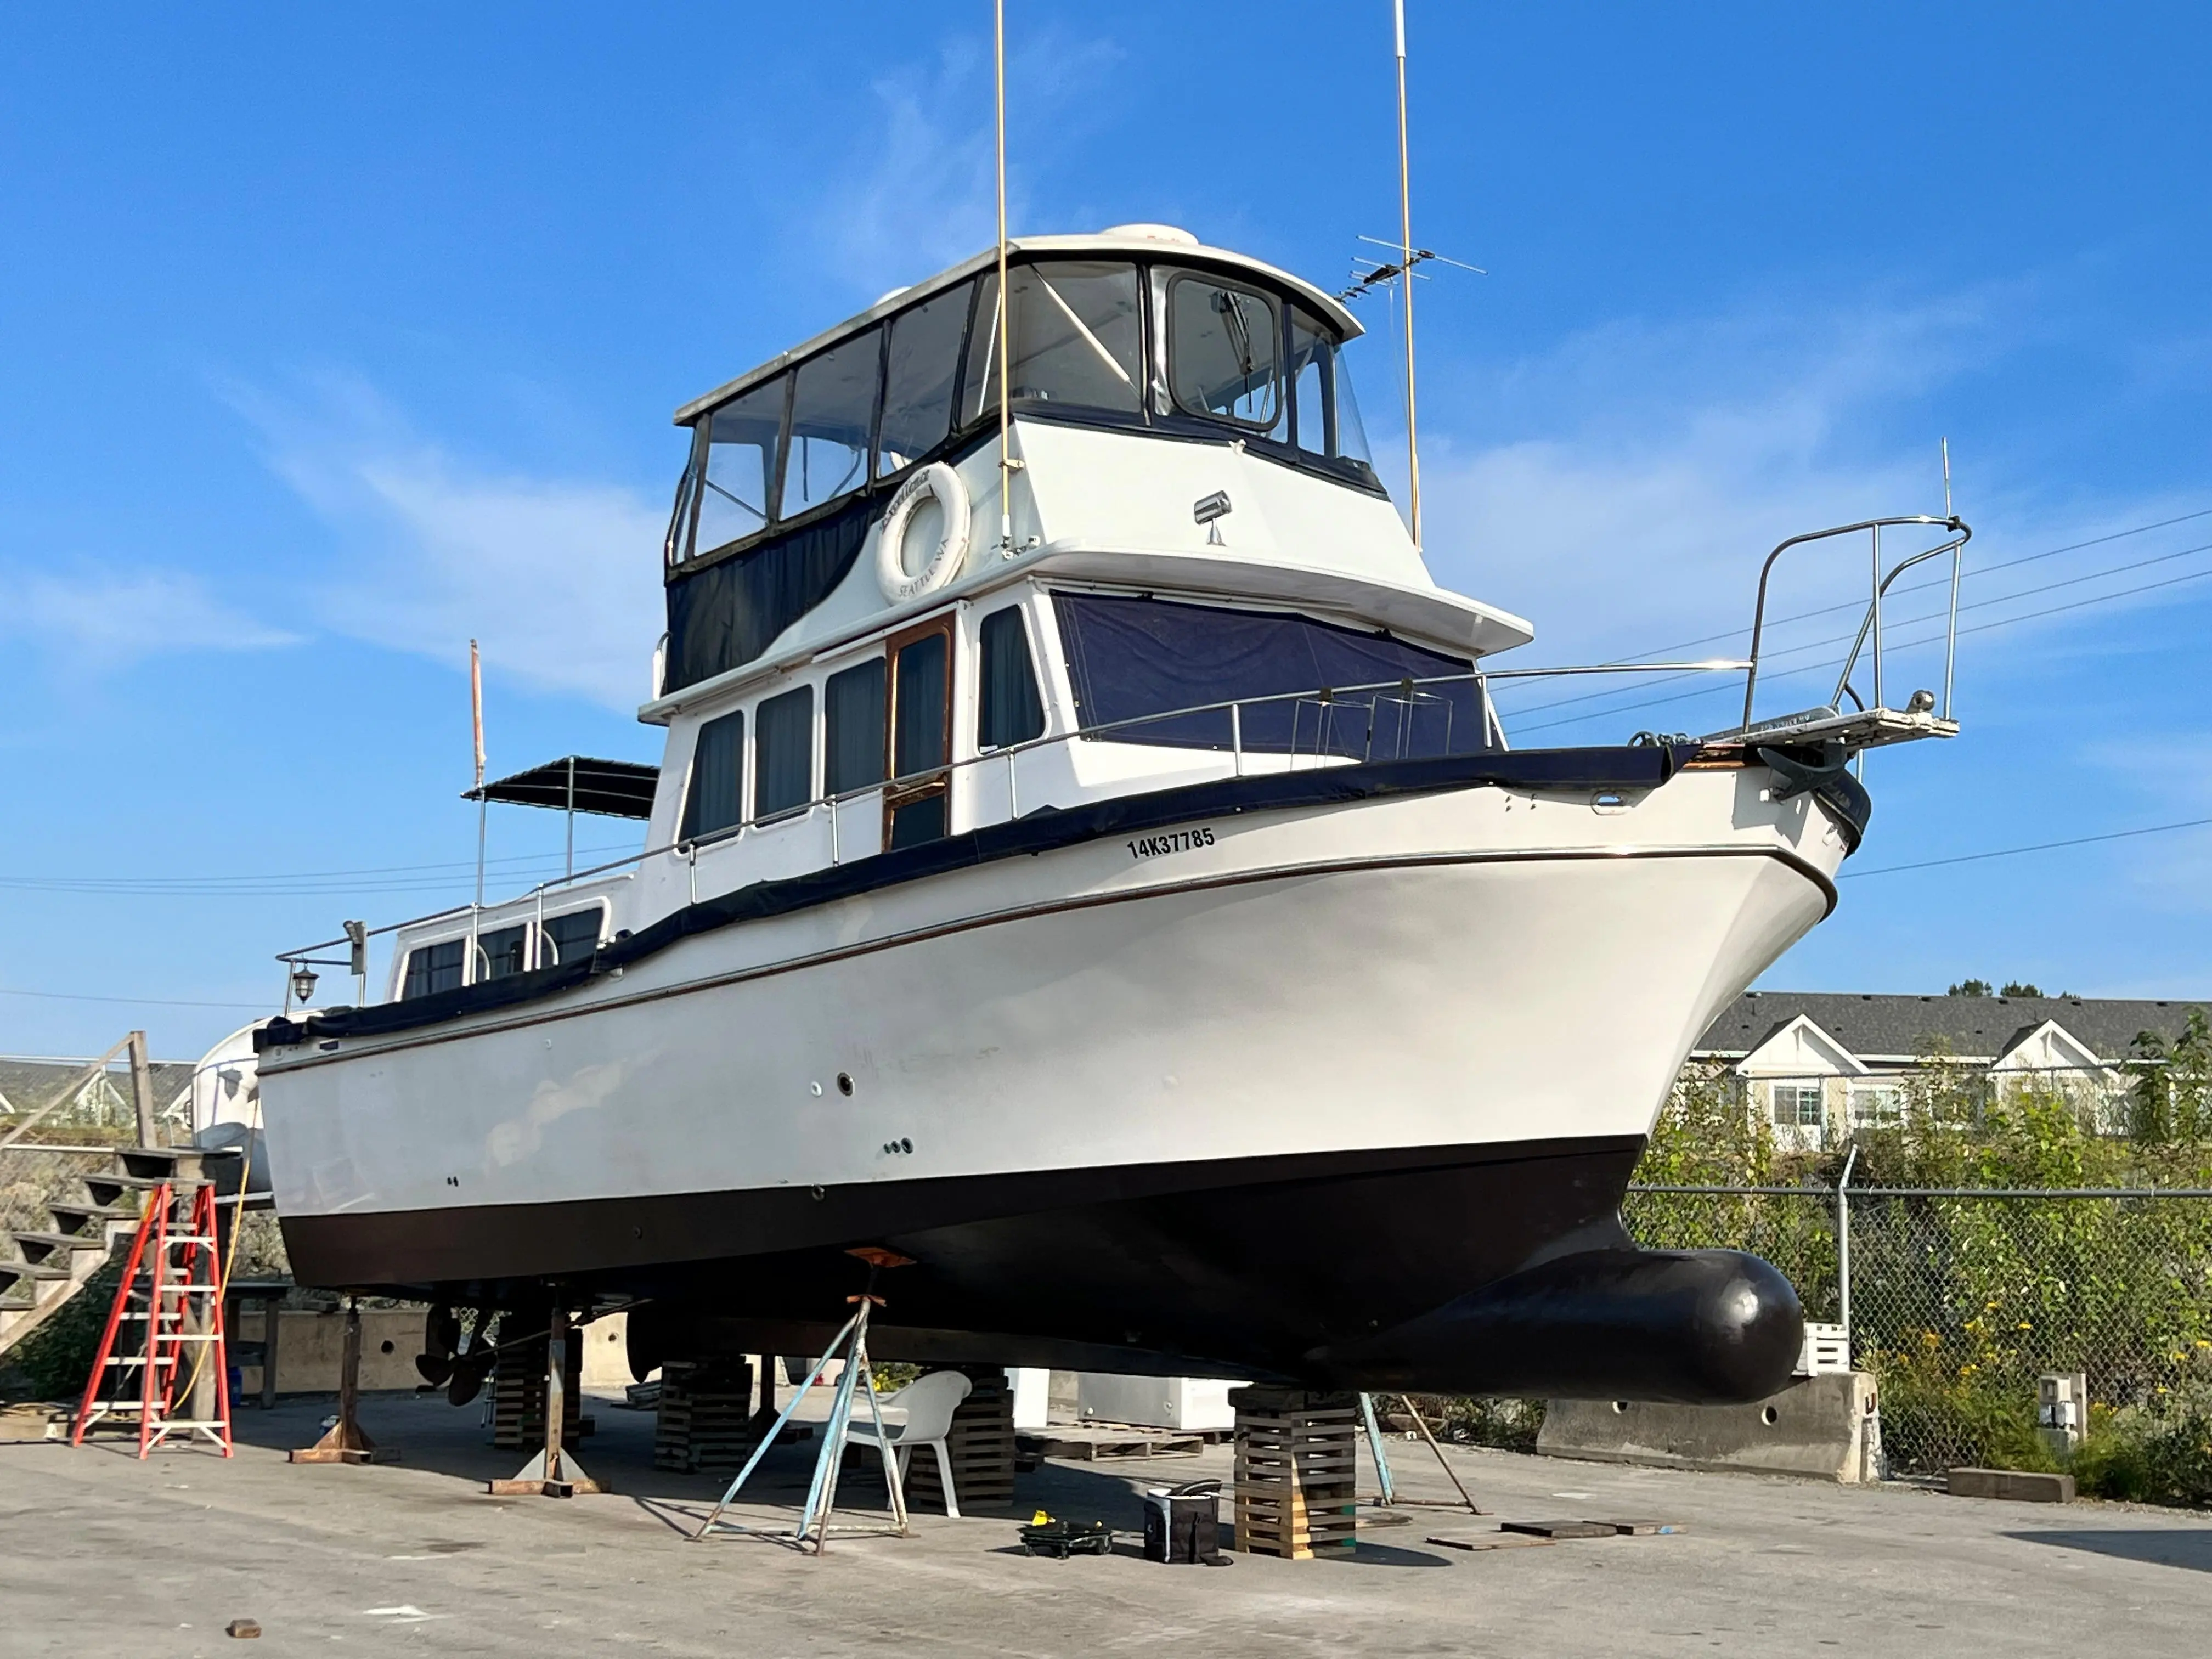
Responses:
[1406,239]
[1005,420]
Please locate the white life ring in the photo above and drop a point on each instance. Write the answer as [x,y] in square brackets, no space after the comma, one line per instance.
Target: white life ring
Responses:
[941,483]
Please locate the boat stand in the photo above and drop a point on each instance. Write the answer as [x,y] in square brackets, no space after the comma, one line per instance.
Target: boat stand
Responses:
[345,1441]
[551,1472]
[851,1345]
[1391,1499]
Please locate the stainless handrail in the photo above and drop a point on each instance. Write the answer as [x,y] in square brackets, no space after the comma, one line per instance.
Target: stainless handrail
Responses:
[1880,584]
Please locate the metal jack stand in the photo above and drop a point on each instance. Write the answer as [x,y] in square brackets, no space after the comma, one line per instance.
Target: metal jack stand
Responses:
[1390,1498]
[822,1496]
[345,1441]
[551,1472]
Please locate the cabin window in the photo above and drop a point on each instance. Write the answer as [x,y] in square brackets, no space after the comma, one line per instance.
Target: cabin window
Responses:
[1079,338]
[737,485]
[1223,351]
[718,758]
[918,379]
[833,413]
[500,953]
[783,753]
[569,937]
[1008,710]
[433,968]
[852,711]
[1326,689]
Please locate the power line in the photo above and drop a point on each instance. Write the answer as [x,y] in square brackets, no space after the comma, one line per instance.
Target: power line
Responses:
[2039,847]
[1907,621]
[135,1002]
[1901,644]
[1971,572]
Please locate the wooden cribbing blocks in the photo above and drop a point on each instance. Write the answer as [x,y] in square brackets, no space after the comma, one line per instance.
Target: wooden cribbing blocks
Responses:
[705,1420]
[1296,1467]
[517,1397]
[981,1445]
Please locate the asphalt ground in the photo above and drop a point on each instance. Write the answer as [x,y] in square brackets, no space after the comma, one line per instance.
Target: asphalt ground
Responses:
[100,1554]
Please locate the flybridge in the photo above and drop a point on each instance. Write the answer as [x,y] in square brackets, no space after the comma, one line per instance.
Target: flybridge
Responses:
[1139,331]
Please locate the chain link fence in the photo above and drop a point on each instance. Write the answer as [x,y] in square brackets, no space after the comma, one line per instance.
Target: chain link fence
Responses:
[1958,1299]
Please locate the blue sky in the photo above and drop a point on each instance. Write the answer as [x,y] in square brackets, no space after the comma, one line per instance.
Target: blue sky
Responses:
[332,339]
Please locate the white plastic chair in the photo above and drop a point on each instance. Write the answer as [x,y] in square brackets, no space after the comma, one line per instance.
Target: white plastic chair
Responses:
[927,1406]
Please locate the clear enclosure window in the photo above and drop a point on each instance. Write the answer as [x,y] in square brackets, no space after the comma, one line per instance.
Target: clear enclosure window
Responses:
[1078,338]
[717,768]
[1317,689]
[1223,351]
[783,753]
[1008,710]
[853,708]
[435,968]
[736,495]
[918,379]
[833,410]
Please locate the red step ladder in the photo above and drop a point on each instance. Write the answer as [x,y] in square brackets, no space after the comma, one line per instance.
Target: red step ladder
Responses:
[172,1283]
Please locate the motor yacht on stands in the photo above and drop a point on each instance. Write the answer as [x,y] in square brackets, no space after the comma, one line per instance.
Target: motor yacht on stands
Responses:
[1093,868]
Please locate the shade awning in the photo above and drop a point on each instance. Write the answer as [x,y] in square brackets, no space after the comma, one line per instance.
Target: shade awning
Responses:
[613,789]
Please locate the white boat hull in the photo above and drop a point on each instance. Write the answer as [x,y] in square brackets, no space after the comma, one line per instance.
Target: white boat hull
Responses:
[1467,978]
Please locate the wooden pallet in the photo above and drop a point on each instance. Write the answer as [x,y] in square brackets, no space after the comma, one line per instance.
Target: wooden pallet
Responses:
[1296,1464]
[518,1398]
[1093,1442]
[705,1421]
[981,1448]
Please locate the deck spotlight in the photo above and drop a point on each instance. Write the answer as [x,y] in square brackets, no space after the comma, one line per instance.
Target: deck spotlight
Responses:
[1209,511]
[303,984]
[1921,702]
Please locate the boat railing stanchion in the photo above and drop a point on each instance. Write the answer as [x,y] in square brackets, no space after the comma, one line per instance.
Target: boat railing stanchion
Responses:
[1013,801]
[834,858]
[691,856]
[1237,737]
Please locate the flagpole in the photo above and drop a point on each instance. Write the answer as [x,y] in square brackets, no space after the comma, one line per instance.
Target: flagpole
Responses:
[476,725]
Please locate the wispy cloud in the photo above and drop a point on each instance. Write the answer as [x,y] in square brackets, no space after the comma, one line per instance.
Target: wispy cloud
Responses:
[918,189]
[557,577]
[1665,460]
[108,619]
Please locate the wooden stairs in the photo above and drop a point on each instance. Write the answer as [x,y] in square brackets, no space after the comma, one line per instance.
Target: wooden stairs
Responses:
[51,1266]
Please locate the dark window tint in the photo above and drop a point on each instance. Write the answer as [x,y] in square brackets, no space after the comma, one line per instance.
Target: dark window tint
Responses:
[853,708]
[922,683]
[833,410]
[1078,337]
[919,821]
[1131,658]
[1008,710]
[783,753]
[736,495]
[435,968]
[1223,351]
[570,936]
[500,953]
[924,360]
[717,769]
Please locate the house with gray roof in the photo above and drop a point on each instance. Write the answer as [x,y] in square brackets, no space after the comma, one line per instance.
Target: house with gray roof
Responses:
[28,1082]
[1820,1063]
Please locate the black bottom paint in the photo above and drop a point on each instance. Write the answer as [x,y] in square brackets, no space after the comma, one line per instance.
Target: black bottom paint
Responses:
[1345,1268]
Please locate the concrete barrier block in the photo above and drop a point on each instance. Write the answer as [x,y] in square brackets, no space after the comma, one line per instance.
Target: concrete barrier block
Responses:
[1826,1428]
[2018,1485]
